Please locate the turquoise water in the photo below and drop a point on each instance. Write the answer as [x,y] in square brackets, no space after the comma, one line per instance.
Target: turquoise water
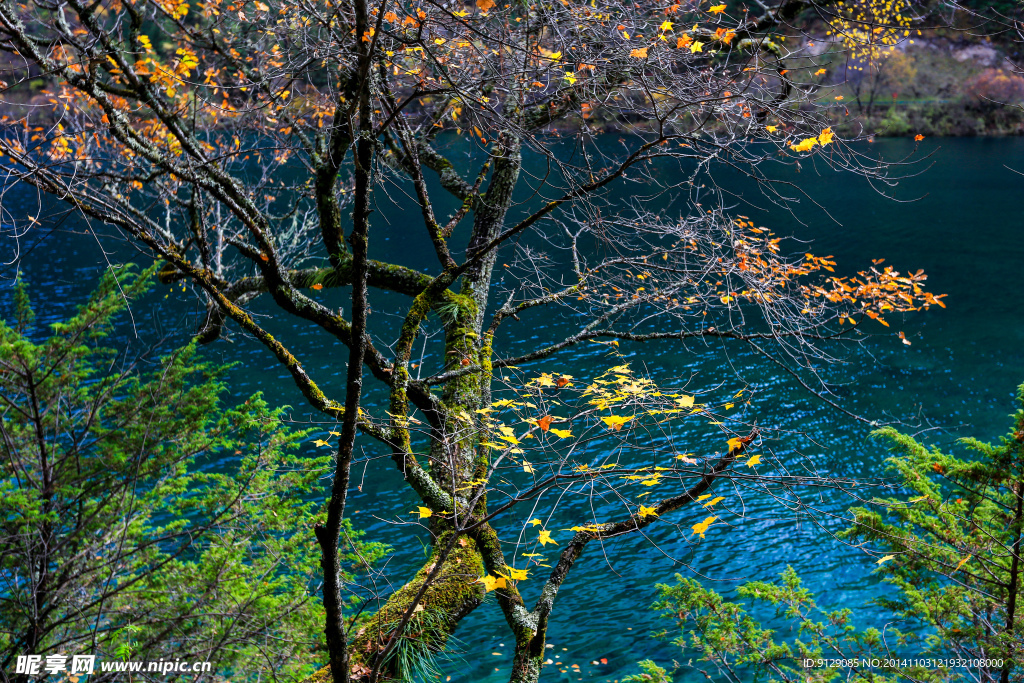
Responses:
[965,228]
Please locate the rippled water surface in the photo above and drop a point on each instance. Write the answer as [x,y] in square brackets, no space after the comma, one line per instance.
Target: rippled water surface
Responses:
[965,229]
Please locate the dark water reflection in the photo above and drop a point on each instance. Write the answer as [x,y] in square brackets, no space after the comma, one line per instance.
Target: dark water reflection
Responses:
[967,232]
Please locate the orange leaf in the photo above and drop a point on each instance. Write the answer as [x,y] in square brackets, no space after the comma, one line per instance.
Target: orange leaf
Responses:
[545,422]
[485,5]
[639,53]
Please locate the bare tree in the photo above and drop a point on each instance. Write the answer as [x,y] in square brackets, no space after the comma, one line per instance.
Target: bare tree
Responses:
[231,141]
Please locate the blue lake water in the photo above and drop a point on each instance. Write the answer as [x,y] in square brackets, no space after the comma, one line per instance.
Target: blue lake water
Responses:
[965,228]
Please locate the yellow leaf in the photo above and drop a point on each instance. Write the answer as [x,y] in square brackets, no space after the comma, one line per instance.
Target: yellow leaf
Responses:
[616,421]
[887,558]
[492,582]
[647,512]
[754,460]
[771,129]
[735,443]
[320,442]
[562,433]
[555,56]
[825,137]
[697,46]
[685,401]
[545,538]
[516,574]
[423,512]
[714,502]
[666,25]
[702,528]
[717,9]
[804,145]
[527,467]
[962,563]
[535,522]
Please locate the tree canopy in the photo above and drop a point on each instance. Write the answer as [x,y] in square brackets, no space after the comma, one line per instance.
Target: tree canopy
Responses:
[244,147]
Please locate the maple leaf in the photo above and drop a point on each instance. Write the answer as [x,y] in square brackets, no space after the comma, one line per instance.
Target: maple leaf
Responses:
[918,137]
[754,460]
[702,528]
[717,9]
[562,433]
[320,442]
[804,145]
[771,129]
[825,137]
[545,422]
[685,401]
[535,522]
[515,574]
[317,286]
[616,421]
[492,582]
[527,467]
[735,443]
[665,26]
[423,512]
[713,502]
[545,538]
[681,42]
[697,46]
[820,72]
[647,512]
[485,5]
[639,53]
